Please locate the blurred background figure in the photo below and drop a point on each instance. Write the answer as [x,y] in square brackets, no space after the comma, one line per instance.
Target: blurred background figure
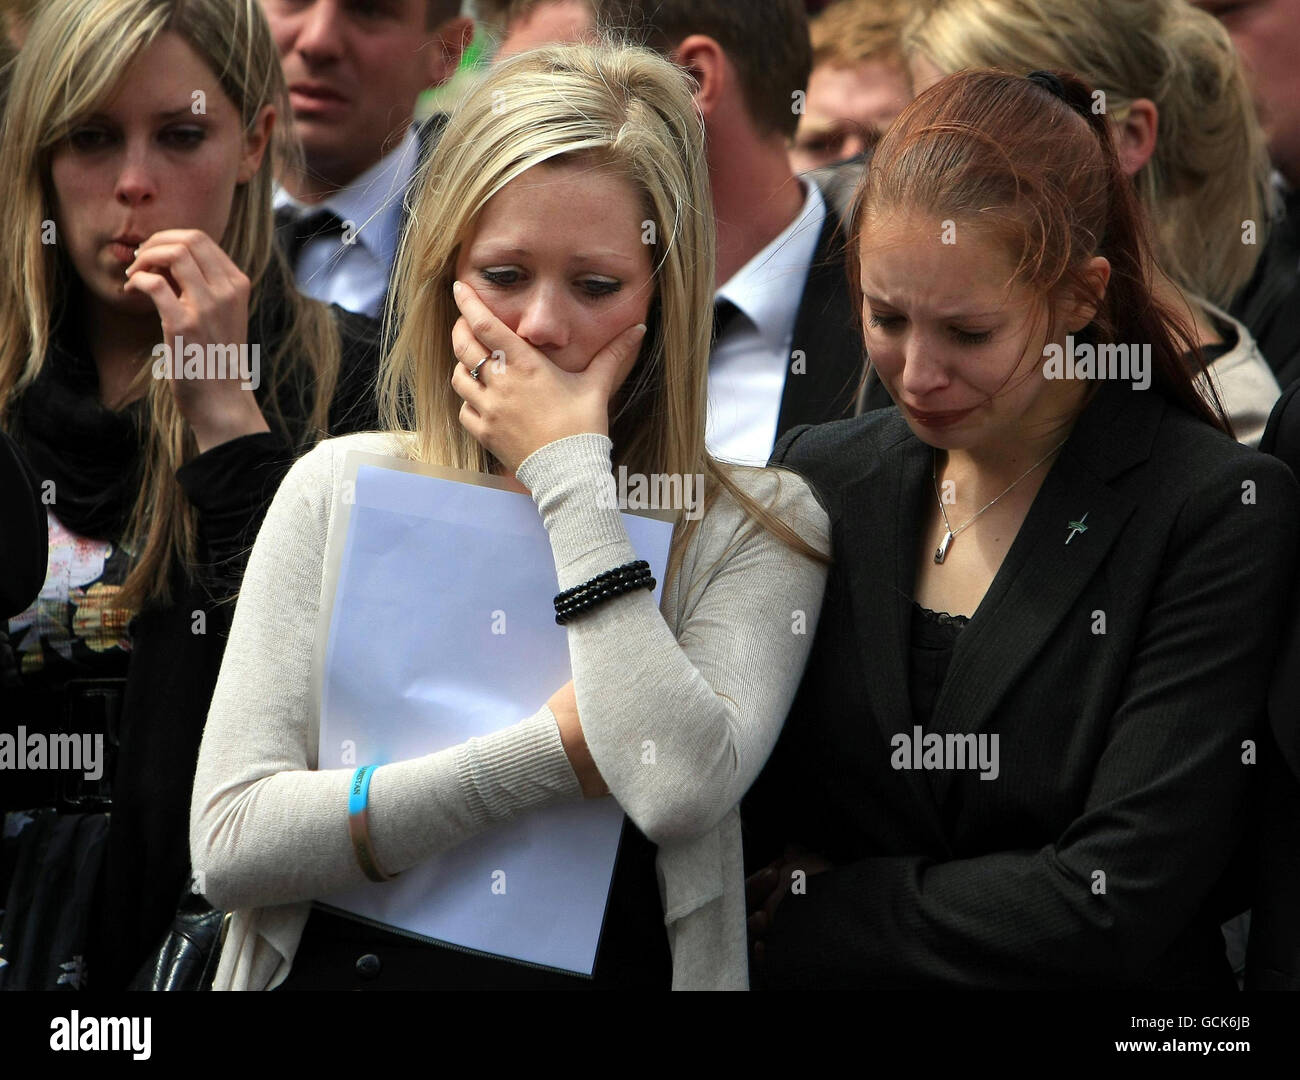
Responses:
[1267,35]
[1174,89]
[23,540]
[503,28]
[354,73]
[521,25]
[786,350]
[14,17]
[859,81]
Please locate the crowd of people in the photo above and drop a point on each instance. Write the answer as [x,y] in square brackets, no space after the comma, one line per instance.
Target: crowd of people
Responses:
[1029,722]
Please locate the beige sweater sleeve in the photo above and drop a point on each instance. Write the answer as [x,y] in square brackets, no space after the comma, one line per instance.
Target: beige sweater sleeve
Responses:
[681,719]
[267,828]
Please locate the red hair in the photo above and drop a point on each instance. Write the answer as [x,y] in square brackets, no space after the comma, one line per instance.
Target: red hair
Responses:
[1042,172]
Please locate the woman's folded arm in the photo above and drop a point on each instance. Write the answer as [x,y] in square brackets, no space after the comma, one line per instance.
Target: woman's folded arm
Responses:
[679,730]
[680,726]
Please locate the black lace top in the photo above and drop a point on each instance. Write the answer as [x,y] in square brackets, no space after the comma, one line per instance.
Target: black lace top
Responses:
[934,635]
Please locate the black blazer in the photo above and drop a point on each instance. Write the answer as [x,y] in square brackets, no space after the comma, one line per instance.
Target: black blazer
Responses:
[825,330]
[1273,956]
[1119,752]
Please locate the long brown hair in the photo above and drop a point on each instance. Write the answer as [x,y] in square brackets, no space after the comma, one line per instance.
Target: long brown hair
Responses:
[1041,170]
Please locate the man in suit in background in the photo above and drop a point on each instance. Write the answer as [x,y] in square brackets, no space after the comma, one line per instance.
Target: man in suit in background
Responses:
[1267,34]
[787,351]
[355,70]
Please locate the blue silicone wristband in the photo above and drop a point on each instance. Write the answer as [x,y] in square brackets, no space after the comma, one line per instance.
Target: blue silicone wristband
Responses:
[359,792]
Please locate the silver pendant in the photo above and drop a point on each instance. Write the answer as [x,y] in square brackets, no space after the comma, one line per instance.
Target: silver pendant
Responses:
[941,552]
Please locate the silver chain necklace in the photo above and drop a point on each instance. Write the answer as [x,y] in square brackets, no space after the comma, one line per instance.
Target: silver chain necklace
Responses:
[950,534]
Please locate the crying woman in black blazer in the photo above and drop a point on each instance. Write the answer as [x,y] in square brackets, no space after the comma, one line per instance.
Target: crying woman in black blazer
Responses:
[1046,790]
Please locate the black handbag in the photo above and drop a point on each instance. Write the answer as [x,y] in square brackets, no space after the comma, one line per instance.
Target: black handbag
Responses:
[190,951]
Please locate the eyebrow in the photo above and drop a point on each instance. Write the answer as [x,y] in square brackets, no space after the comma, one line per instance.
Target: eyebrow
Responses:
[582,256]
[818,126]
[942,315]
[166,114]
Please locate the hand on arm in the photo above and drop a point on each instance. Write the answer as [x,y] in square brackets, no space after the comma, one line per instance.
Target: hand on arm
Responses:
[766,888]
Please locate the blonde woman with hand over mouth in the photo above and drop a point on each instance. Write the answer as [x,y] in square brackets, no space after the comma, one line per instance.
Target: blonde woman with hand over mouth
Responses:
[530,237]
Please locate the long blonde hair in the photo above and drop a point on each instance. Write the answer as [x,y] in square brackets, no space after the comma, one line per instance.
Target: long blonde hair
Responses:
[74,57]
[627,109]
[1209,173]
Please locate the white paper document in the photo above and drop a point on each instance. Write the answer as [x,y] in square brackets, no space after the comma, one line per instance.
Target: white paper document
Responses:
[440,627]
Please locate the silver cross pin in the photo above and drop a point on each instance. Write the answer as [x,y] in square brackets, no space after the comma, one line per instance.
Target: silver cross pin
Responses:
[1077,527]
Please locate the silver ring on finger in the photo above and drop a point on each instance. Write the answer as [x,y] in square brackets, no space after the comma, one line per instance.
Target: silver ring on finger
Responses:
[473,372]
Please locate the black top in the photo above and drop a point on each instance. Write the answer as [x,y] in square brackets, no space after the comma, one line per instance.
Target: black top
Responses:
[340,953]
[934,635]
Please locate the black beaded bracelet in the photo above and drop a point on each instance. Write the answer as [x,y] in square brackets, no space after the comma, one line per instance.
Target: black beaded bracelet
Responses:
[618,571]
[584,597]
[610,584]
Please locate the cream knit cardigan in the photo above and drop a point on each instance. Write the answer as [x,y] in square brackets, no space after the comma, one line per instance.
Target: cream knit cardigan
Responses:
[708,676]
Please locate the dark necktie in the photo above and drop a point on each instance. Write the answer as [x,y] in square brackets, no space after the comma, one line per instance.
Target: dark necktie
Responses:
[724,314]
[294,232]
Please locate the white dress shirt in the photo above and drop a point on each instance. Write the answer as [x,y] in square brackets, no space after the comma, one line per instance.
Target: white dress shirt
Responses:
[355,275]
[750,360]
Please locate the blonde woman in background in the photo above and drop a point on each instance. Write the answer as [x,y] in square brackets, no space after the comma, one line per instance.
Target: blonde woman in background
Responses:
[708,675]
[140,141]
[1185,130]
